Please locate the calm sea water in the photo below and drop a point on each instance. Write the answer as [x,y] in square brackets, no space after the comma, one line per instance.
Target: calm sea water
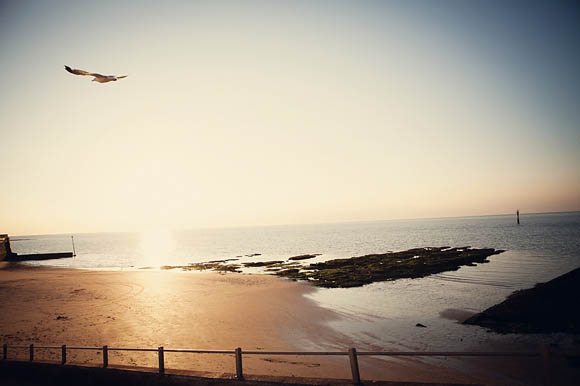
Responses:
[551,239]
[380,315]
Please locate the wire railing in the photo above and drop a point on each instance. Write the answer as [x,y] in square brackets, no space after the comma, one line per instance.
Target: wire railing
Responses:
[352,354]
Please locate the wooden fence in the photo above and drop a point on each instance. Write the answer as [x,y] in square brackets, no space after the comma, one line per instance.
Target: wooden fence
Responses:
[352,354]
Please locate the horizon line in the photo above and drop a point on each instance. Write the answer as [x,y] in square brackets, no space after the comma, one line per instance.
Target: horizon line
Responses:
[303,224]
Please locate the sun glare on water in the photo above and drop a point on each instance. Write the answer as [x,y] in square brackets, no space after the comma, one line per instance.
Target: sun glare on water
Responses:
[156,245]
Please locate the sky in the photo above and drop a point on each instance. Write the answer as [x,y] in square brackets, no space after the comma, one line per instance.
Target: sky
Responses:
[243,113]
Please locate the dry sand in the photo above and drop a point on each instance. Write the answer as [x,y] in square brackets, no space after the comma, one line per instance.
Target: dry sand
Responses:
[47,306]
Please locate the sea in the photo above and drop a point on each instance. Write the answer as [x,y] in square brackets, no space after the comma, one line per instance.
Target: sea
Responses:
[379,316]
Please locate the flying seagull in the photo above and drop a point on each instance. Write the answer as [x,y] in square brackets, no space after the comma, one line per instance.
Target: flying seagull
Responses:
[97,77]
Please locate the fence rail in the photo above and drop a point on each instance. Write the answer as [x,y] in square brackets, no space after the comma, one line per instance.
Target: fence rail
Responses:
[352,353]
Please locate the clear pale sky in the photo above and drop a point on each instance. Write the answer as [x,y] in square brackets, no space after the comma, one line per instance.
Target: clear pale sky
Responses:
[262,112]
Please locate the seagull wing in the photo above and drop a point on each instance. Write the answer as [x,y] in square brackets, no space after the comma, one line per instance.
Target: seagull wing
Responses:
[98,77]
[80,72]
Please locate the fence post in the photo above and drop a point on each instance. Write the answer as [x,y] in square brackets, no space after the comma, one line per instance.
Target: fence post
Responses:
[105,356]
[31,352]
[161,360]
[546,363]
[63,354]
[4,351]
[354,366]
[239,372]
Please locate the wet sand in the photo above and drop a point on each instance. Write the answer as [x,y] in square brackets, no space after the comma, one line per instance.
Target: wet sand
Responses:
[45,306]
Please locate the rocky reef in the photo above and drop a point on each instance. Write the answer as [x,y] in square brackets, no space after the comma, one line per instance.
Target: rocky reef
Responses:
[209,266]
[546,308]
[361,270]
[263,263]
[413,263]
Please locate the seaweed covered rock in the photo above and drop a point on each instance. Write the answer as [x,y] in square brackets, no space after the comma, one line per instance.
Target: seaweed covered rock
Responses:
[303,257]
[217,267]
[262,263]
[413,263]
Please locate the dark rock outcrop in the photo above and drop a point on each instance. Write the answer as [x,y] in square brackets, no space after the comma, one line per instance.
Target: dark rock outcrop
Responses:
[262,263]
[303,257]
[546,308]
[413,263]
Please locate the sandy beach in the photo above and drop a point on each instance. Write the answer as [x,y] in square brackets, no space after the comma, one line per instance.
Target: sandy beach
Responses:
[48,306]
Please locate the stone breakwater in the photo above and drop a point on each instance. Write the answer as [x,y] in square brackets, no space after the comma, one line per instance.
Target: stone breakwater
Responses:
[360,270]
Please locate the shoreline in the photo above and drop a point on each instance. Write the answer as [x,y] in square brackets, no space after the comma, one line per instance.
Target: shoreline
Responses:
[150,309]
[203,311]
[355,271]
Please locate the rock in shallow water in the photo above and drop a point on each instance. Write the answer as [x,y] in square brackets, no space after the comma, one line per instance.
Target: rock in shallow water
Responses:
[413,263]
[303,257]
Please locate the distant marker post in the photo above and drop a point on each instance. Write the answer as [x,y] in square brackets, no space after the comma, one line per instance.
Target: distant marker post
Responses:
[73,244]
[518,216]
